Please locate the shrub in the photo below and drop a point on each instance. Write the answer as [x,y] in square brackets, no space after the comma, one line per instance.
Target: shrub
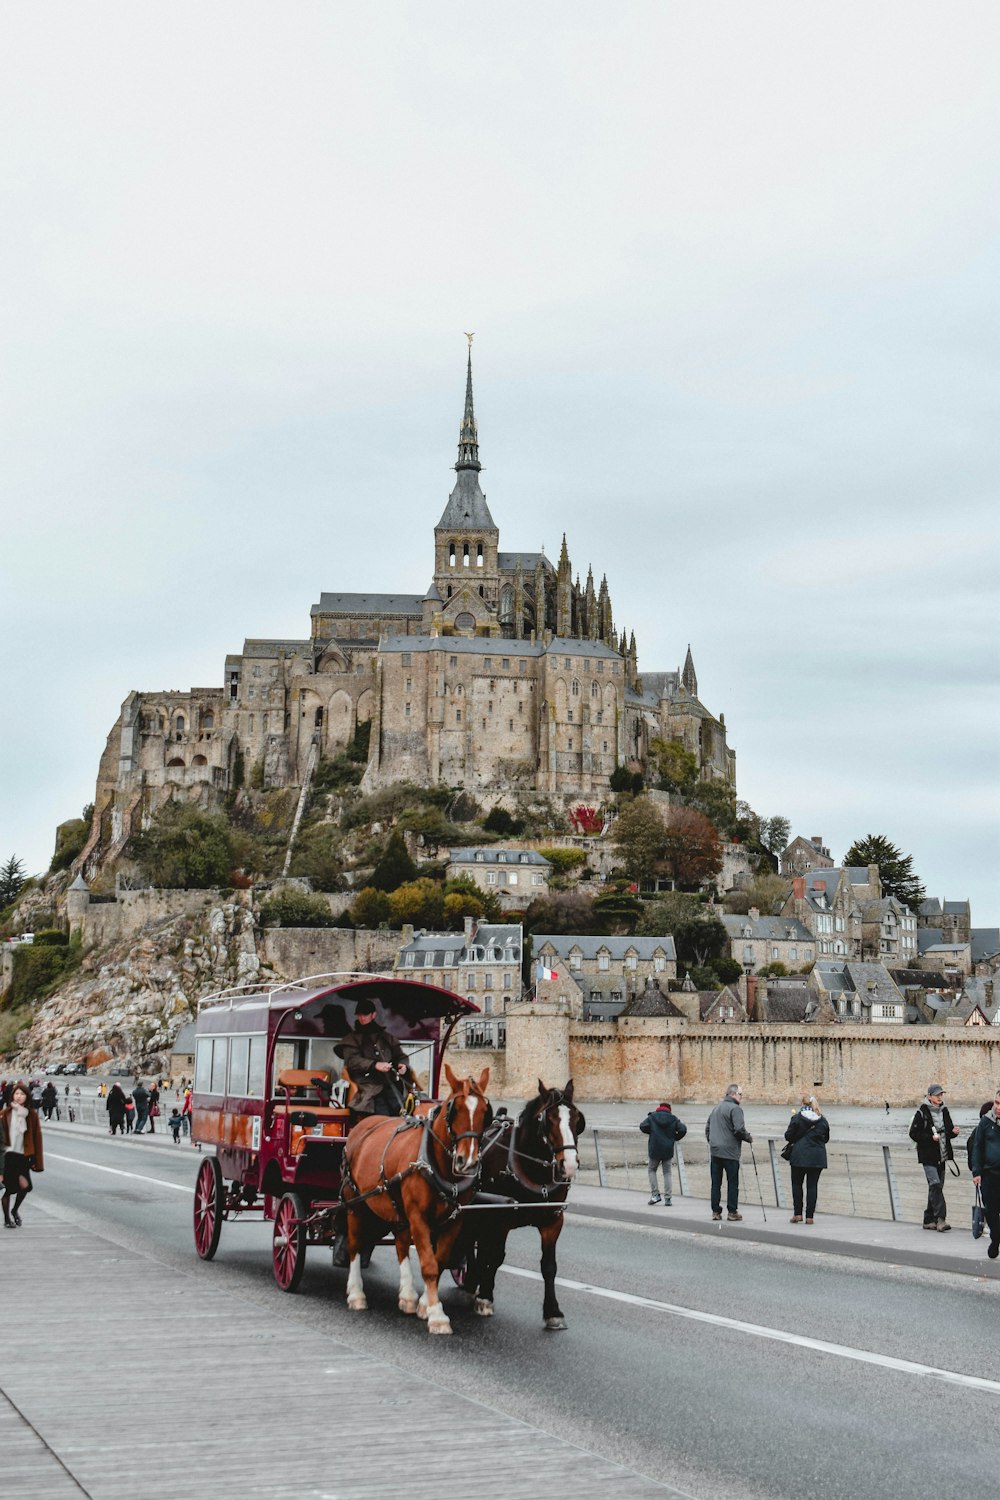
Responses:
[36,971]
[395,866]
[489,901]
[728,969]
[317,856]
[370,908]
[185,848]
[12,1023]
[624,780]
[51,937]
[292,907]
[70,839]
[420,902]
[564,860]
[499,820]
[337,775]
[459,905]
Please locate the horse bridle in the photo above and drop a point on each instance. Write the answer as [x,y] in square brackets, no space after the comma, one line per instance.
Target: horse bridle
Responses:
[554,1101]
[456,1137]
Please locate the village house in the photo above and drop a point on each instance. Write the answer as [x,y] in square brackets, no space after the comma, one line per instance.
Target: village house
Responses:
[826,903]
[803,855]
[862,993]
[756,941]
[515,876]
[483,963]
[952,919]
[888,931]
[597,975]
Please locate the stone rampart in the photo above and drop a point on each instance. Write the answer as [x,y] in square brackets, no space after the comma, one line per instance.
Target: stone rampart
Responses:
[294,952]
[108,922]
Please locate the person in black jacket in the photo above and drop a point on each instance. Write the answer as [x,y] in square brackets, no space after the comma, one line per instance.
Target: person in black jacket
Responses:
[986,1171]
[932,1131]
[664,1131]
[808,1132]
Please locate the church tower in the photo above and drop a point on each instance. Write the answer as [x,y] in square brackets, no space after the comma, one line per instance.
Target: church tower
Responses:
[466,540]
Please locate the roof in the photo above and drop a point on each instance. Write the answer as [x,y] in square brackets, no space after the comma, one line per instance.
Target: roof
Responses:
[493,942]
[661,684]
[927,937]
[276,648]
[466,509]
[709,999]
[494,856]
[79,884]
[794,1003]
[461,645]
[771,929]
[184,1040]
[857,874]
[564,944]
[931,907]
[369,604]
[945,948]
[959,908]
[651,1001]
[985,942]
[508,561]
[868,982]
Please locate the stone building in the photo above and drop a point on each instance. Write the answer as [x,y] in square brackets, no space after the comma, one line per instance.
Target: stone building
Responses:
[824,901]
[504,673]
[515,876]
[757,941]
[888,931]
[859,992]
[953,919]
[803,855]
[483,963]
[599,975]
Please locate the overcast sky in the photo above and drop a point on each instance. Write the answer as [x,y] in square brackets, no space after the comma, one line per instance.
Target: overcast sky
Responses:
[733,274]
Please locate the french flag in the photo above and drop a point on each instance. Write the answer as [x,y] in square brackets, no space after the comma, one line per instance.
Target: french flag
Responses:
[544,972]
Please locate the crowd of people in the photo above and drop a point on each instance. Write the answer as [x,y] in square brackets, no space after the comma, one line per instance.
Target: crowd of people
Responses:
[137,1113]
[932,1131]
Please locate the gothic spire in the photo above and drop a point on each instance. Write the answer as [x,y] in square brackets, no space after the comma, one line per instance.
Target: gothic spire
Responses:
[688,677]
[468,436]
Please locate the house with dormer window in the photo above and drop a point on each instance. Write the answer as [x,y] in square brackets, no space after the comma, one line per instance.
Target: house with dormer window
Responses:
[827,903]
[756,941]
[515,876]
[598,975]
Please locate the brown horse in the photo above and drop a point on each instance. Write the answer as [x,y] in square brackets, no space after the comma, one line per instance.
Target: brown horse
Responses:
[533,1163]
[414,1175]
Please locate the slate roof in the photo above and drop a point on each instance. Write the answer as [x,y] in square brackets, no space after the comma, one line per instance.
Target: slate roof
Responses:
[184,1040]
[495,856]
[369,604]
[276,648]
[443,950]
[839,977]
[644,948]
[651,1001]
[930,908]
[985,942]
[958,908]
[788,1003]
[662,684]
[769,929]
[466,509]
[928,937]
[856,874]
[508,561]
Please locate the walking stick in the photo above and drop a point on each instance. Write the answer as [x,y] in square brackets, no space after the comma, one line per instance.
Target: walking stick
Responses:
[760,1193]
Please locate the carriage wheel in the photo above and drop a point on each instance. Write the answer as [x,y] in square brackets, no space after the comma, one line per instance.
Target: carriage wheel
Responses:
[208,1199]
[289,1244]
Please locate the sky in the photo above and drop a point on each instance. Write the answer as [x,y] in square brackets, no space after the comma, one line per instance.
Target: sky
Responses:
[733,274]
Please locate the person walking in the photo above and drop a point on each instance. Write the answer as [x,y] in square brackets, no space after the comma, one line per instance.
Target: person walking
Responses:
[21,1136]
[932,1131]
[175,1122]
[154,1108]
[129,1114]
[808,1132]
[50,1098]
[116,1109]
[725,1131]
[664,1130]
[985,1159]
[140,1097]
[186,1108]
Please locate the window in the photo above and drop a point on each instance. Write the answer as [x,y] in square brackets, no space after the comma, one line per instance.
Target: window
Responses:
[506,982]
[480,857]
[614,669]
[747,952]
[239,1063]
[458,716]
[409,684]
[505,663]
[487,981]
[409,960]
[600,666]
[487,663]
[538,879]
[774,952]
[576,688]
[510,725]
[406,711]
[659,963]
[570,716]
[491,878]
[470,981]
[567,663]
[522,665]
[793,953]
[604,960]
[453,661]
[220,1055]
[255,1068]
[525,859]
[631,960]
[512,878]
[576,959]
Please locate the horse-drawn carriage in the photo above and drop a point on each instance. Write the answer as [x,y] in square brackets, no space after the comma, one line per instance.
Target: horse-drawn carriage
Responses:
[447,1177]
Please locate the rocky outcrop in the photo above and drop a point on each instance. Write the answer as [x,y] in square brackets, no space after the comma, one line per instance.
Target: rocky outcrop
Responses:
[129,999]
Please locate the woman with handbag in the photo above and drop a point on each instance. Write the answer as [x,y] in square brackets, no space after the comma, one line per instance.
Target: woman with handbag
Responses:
[22,1136]
[807,1134]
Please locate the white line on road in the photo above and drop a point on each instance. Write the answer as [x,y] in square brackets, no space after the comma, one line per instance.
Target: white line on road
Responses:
[778,1335]
[178,1187]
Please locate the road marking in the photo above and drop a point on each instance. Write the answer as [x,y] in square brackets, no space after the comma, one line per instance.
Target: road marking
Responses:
[778,1335]
[178,1187]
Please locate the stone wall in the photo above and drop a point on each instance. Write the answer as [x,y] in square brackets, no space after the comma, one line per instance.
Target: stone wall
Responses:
[294,952]
[108,922]
[647,1058]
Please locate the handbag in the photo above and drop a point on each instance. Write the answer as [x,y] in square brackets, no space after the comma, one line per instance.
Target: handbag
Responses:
[978,1216]
[155,1112]
[786,1151]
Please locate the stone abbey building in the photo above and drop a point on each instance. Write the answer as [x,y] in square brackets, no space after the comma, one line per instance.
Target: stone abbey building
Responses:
[505,675]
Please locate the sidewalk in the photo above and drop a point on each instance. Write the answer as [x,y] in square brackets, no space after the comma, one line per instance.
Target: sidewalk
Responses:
[258,1402]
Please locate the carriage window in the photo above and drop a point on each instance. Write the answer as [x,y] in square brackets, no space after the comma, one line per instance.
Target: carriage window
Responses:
[255,1069]
[239,1063]
[203,1064]
[220,1056]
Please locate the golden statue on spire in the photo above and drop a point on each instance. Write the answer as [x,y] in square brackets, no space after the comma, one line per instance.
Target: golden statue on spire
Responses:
[470,337]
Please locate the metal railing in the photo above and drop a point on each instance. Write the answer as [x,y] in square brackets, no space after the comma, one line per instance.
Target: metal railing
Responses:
[481,1031]
[866,1180]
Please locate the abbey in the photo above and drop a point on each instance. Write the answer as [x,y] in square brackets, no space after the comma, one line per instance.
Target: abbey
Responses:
[506,675]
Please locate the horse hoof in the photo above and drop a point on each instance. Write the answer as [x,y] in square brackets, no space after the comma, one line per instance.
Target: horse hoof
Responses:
[555,1325]
[408,1305]
[422,1308]
[484,1307]
[357,1304]
[438,1325]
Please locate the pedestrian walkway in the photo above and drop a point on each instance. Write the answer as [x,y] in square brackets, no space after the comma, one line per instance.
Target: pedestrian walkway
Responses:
[256,1403]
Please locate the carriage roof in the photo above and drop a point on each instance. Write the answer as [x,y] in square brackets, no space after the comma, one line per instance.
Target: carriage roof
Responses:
[260,1007]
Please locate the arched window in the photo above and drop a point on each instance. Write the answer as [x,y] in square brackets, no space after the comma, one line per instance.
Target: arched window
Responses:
[451,554]
[319,718]
[199,760]
[479,555]
[179,723]
[576,688]
[465,621]
[465,554]
[208,720]
[175,761]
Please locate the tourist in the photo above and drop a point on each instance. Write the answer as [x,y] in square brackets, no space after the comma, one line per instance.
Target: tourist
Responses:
[664,1130]
[50,1099]
[186,1108]
[932,1131]
[154,1108]
[21,1135]
[140,1096]
[175,1122]
[807,1134]
[986,1170]
[725,1131]
[116,1107]
[129,1114]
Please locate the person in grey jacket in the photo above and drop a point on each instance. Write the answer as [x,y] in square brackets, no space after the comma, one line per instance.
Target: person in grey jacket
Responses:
[725,1131]
[664,1131]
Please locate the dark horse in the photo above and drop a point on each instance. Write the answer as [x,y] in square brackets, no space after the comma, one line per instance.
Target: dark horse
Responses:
[413,1176]
[532,1162]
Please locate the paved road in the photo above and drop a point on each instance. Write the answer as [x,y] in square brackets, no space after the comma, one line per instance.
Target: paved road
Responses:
[719,1369]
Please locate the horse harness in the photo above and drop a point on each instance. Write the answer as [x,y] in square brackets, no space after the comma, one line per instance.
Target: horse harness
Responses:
[392,1187]
[514,1155]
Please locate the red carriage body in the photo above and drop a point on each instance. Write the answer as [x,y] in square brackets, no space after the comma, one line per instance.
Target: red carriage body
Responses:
[277,1134]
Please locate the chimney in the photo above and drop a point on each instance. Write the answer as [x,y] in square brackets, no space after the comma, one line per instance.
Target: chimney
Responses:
[754,914]
[752,996]
[817,841]
[470,930]
[407,933]
[799,887]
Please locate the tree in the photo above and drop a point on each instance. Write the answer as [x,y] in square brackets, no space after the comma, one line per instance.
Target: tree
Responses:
[370,908]
[489,902]
[700,941]
[293,907]
[499,820]
[12,879]
[185,848]
[459,905]
[692,852]
[717,801]
[767,892]
[395,867]
[895,869]
[624,780]
[676,766]
[640,837]
[661,917]
[728,969]
[420,902]
[571,912]
[774,834]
